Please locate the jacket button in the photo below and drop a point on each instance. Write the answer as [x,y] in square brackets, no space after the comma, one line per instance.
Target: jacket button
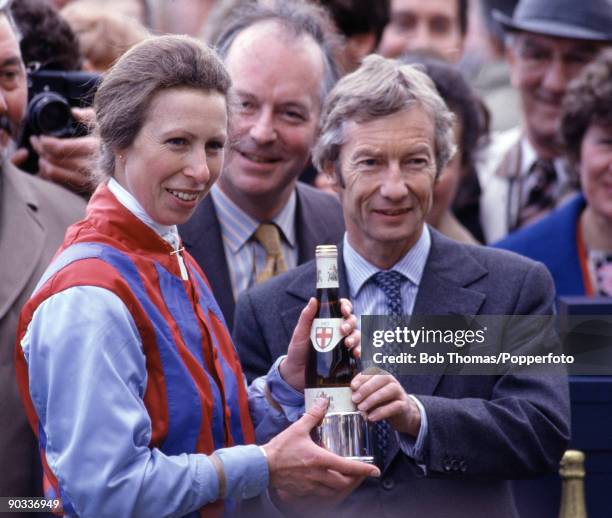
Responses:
[463,466]
[455,465]
[388,484]
[446,464]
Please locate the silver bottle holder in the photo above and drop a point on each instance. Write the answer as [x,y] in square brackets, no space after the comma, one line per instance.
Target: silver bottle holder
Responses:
[346,434]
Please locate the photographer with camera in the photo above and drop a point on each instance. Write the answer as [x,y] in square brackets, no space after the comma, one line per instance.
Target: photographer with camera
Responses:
[55,142]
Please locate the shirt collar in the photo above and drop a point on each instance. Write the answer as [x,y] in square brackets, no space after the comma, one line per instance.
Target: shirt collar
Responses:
[238,227]
[529,157]
[127,199]
[359,270]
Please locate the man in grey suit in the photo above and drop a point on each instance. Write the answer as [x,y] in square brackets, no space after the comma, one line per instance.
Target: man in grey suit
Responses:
[456,441]
[34,215]
[281,64]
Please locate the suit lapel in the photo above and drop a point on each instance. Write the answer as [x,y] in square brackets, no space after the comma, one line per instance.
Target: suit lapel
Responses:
[444,290]
[202,237]
[23,234]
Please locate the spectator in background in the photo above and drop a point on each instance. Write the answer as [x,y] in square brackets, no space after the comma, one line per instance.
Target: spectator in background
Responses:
[49,43]
[184,16]
[103,35]
[438,25]
[259,220]
[470,131]
[140,10]
[34,215]
[524,175]
[361,22]
[575,240]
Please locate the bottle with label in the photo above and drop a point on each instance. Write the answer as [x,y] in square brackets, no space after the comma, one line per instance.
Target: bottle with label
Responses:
[331,366]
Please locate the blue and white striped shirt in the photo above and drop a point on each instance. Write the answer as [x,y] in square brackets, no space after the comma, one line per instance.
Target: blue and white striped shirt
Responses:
[245,256]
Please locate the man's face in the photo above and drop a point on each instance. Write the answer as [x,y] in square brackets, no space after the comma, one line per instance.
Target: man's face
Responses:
[277,79]
[13,88]
[388,170]
[417,25]
[541,68]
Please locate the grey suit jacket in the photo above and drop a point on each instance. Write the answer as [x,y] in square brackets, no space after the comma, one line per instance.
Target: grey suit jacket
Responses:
[34,215]
[483,430]
[318,220]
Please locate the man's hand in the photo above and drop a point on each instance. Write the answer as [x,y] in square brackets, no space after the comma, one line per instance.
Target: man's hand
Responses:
[68,161]
[300,469]
[292,368]
[380,396]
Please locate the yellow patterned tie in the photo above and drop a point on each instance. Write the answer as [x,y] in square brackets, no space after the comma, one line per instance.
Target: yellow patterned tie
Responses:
[268,236]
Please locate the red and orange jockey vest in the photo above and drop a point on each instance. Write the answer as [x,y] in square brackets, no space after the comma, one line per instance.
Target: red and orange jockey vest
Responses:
[195,394]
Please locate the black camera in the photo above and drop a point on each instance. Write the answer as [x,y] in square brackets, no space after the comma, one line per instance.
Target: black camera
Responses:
[51,96]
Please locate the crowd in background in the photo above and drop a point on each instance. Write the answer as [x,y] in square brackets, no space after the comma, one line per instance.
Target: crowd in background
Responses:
[505,89]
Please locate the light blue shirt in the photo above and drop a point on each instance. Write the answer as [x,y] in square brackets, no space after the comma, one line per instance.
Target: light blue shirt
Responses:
[88,377]
[369,299]
[245,256]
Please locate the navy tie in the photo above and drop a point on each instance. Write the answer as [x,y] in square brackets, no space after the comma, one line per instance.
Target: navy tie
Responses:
[390,282]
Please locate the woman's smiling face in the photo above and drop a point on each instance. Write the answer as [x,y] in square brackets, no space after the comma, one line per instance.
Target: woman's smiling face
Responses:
[177,155]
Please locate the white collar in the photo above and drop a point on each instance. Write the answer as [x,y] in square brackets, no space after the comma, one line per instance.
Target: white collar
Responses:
[127,199]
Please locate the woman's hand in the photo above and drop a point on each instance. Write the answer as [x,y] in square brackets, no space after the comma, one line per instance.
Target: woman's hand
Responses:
[299,469]
[292,368]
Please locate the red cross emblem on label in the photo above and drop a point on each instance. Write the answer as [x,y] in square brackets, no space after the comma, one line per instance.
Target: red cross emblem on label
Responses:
[324,336]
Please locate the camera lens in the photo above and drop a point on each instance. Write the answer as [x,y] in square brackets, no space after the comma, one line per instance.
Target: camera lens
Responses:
[49,114]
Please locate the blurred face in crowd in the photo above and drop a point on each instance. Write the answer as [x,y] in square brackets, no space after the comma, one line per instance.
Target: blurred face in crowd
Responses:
[177,155]
[596,169]
[134,9]
[541,69]
[388,171]
[417,24]
[277,79]
[184,16]
[448,182]
[13,88]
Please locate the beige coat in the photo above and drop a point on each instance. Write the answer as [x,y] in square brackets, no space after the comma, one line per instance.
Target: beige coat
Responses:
[34,215]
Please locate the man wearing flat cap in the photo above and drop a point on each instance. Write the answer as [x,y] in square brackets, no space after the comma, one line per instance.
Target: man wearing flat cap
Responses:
[523,176]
